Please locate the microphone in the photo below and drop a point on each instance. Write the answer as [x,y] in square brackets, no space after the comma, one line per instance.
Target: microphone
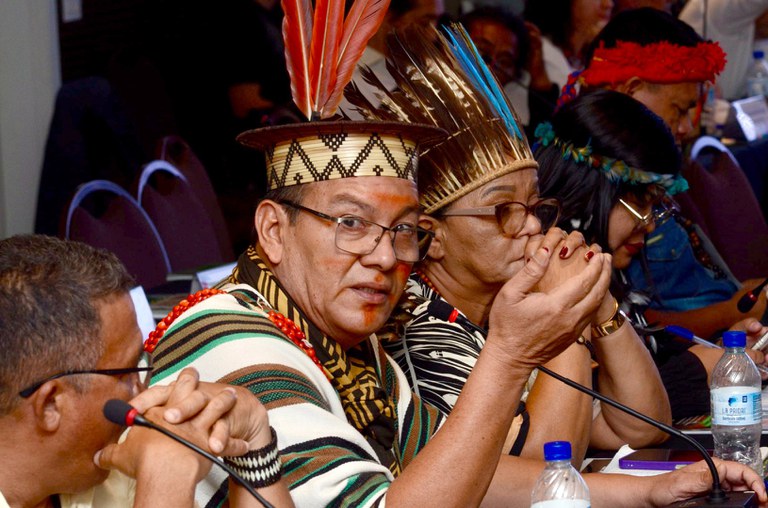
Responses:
[717,497]
[120,412]
[749,299]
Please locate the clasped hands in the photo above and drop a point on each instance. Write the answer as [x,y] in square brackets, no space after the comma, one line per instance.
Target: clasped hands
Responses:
[222,419]
[561,290]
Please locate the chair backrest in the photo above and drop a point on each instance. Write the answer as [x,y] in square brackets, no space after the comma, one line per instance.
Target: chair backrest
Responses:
[181,219]
[732,215]
[104,215]
[176,151]
[90,138]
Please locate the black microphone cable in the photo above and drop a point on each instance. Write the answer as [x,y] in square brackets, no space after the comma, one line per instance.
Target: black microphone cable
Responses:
[120,412]
[444,311]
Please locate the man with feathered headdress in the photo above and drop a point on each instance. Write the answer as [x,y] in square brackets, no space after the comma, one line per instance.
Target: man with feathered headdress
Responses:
[337,236]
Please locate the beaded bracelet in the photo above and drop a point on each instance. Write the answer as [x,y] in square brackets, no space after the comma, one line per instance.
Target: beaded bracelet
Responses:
[260,468]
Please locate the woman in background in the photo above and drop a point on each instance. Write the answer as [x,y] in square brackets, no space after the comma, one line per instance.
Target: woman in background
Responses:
[612,163]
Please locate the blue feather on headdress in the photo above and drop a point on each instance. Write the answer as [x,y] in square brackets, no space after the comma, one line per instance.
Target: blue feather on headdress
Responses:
[477,71]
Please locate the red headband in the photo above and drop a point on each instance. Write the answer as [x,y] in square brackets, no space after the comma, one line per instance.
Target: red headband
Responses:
[660,62]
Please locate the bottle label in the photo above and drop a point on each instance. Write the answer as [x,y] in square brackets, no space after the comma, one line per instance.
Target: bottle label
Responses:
[736,405]
[562,503]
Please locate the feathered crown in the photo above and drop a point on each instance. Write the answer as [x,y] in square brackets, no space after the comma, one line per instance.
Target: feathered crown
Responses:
[443,81]
[322,48]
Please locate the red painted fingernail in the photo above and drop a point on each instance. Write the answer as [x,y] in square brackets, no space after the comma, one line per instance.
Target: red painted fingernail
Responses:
[546,249]
[589,255]
[563,251]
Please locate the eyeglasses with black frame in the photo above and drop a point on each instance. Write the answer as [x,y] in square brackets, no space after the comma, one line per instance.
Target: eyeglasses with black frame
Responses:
[143,369]
[664,209]
[511,215]
[359,236]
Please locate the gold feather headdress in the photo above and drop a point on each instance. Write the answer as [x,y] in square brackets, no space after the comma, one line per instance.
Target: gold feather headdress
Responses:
[443,81]
[322,48]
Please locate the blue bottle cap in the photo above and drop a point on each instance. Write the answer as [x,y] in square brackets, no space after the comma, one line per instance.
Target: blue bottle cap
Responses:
[734,339]
[758,54]
[557,450]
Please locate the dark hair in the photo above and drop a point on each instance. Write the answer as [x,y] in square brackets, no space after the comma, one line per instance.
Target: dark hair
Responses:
[644,26]
[508,19]
[553,17]
[615,126]
[49,317]
[293,193]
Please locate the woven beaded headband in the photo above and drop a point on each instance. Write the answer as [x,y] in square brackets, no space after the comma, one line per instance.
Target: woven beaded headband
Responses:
[320,151]
[614,170]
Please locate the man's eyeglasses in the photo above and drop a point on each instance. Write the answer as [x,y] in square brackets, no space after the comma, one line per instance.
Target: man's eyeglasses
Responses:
[360,237]
[512,215]
[143,369]
[661,211]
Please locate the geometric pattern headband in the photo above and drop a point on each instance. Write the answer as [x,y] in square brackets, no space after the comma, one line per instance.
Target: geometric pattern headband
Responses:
[320,151]
[615,170]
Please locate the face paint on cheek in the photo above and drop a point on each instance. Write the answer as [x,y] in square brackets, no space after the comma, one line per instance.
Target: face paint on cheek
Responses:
[371,315]
[402,272]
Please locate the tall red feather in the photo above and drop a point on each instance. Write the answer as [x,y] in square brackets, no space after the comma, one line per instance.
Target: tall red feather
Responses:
[297,34]
[362,22]
[326,35]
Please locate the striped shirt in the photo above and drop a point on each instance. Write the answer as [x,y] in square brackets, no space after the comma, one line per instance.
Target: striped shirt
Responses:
[437,357]
[326,461]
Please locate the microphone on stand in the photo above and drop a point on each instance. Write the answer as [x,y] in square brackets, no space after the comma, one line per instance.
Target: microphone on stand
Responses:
[749,299]
[120,412]
[717,497]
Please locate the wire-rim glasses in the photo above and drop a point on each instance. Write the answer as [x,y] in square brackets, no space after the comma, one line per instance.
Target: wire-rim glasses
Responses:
[661,211]
[143,369]
[359,236]
[511,215]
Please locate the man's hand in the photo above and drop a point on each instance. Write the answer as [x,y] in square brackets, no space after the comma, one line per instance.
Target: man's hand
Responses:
[222,419]
[242,427]
[694,480]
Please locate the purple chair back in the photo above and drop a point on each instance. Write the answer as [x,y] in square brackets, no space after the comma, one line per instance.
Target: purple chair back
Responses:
[104,215]
[181,219]
[731,213]
[175,150]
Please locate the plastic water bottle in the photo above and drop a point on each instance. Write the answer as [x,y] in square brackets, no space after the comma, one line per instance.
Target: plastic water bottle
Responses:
[736,404]
[560,485]
[757,77]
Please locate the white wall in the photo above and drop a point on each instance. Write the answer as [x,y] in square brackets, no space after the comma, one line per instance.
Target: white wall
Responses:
[29,80]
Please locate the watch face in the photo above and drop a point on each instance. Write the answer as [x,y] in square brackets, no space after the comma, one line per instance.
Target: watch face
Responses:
[610,326]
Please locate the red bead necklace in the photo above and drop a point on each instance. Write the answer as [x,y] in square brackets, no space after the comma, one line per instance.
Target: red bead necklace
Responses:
[285,325]
[423,277]
[155,335]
